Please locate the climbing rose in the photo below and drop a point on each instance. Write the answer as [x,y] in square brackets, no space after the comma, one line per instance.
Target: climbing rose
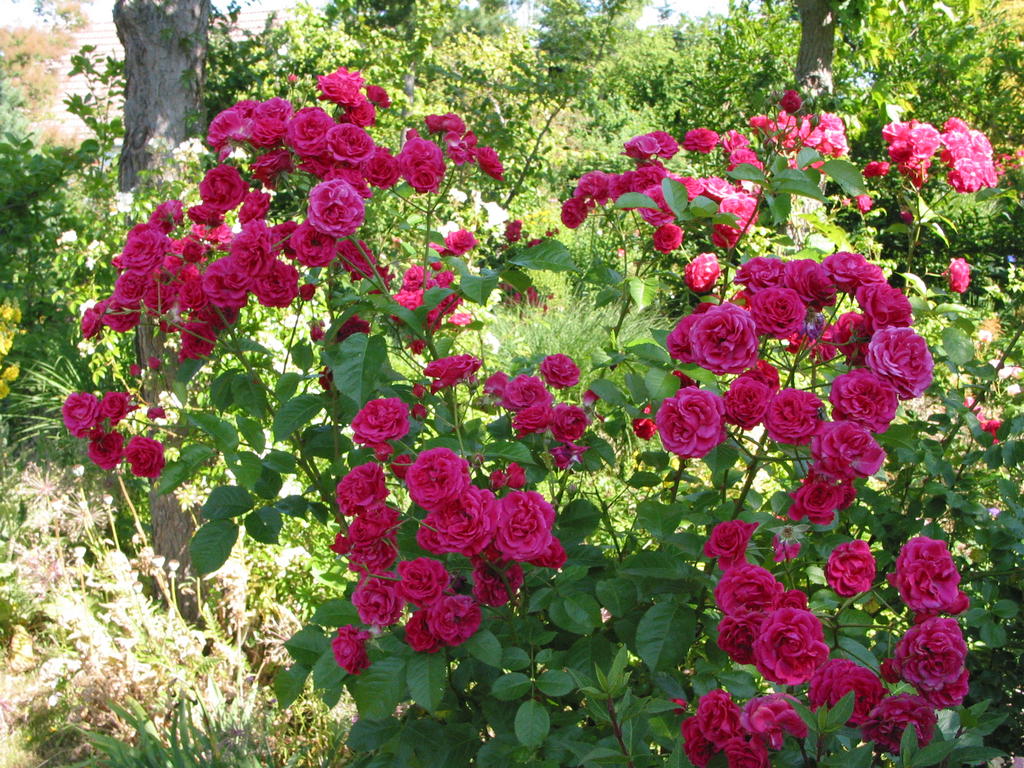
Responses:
[728,542]
[959,273]
[886,723]
[702,273]
[349,648]
[335,208]
[81,411]
[453,619]
[145,456]
[381,420]
[851,568]
[927,578]
[724,340]
[560,371]
[770,717]
[931,657]
[691,423]
[437,478]
[701,140]
[790,646]
[837,677]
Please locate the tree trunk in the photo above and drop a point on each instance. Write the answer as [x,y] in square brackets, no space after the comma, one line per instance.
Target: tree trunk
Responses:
[165,56]
[817,46]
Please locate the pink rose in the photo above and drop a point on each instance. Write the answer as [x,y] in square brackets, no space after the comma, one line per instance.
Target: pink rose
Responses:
[524,391]
[335,208]
[144,249]
[931,656]
[728,542]
[341,87]
[423,580]
[459,242]
[792,416]
[437,478]
[791,103]
[770,717]
[736,636]
[850,271]
[560,371]
[223,188]
[495,585]
[349,144]
[701,140]
[574,212]
[692,422]
[312,248]
[489,162]
[667,238]
[702,273]
[746,401]
[886,723]
[862,397]
[746,590]
[453,619]
[851,568]
[884,306]
[421,163]
[724,340]
[761,272]
[418,634]
[790,646]
[279,287]
[718,717]
[533,419]
[927,579]
[107,450]
[380,169]
[81,412]
[568,422]
[959,272]
[380,421]
[844,450]
[449,371]
[466,527]
[836,678]
[524,525]
[699,749]
[818,498]
[145,457]
[349,648]
[378,601]
[809,279]
[362,488]
[876,168]
[778,312]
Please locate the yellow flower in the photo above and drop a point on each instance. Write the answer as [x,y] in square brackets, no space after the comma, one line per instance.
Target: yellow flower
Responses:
[4,390]
[10,373]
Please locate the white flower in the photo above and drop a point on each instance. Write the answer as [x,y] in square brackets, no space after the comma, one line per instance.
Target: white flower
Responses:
[68,237]
[458,195]
[123,201]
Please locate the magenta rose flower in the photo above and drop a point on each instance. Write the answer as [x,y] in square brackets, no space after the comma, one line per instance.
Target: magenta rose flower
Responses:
[886,723]
[349,144]
[524,391]
[844,450]
[746,401]
[361,488]
[115,406]
[809,279]
[724,340]
[421,163]
[107,450]
[692,422]
[335,208]
[223,188]
[927,579]
[466,527]
[718,717]
[931,656]
[349,648]
[959,273]
[453,619]
[884,306]
[678,340]
[568,422]
[698,748]
[560,371]
[524,525]
[701,140]
[862,397]
[748,589]
[702,273]
[81,412]
[495,585]
[145,457]
[423,580]
[792,416]
[778,311]
[437,478]
[533,419]
[851,568]
[418,634]
[761,272]
[449,371]
[836,678]
[380,421]
[736,635]
[667,238]
[378,601]
[790,646]
[849,271]
[728,542]
[770,717]
[901,357]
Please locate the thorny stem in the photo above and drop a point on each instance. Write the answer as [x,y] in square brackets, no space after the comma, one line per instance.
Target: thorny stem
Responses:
[617,730]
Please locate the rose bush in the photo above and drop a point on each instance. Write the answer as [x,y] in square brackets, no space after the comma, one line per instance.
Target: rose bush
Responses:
[516,556]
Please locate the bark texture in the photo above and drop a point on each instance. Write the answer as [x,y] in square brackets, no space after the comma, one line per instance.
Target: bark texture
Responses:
[817,46]
[165,55]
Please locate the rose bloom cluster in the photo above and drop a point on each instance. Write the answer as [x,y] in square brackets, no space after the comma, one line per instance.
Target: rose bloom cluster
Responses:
[770,627]
[966,153]
[878,358]
[94,419]
[493,522]
[192,272]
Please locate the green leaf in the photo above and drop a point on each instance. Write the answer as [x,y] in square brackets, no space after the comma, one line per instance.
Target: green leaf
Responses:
[846,175]
[264,525]
[703,207]
[476,288]
[840,713]
[933,754]
[608,392]
[550,255]
[223,434]
[664,634]
[328,677]
[212,544]
[483,645]
[643,292]
[426,674]
[177,472]
[957,345]
[300,410]
[660,384]
[532,723]
[676,196]
[635,200]
[245,466]
[508,451]
[227,501]
[288,684]
[747,172]
[555,682]
[336,612]
[378,689]
[356,364]
[800,187]
[510,686]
